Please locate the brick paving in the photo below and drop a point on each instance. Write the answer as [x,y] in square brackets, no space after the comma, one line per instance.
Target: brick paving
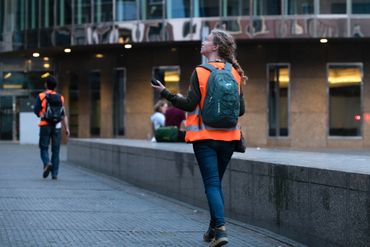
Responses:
[83,208]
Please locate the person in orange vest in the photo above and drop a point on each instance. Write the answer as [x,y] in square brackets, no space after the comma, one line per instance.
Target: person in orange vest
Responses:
[50,127]
[212,147]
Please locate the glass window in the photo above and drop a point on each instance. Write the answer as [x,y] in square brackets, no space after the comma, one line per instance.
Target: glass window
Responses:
[126,10]
[333,7]
[103,11]
[1,18]
[300,7]
[209,8]
[170,76]
[178,8]
[73,104]
[14,80]
[267,7]
[33,14]
[345,116]
[64,12]
[82,11]
[118,102]
[94,79]
[235,7]
[152,9]
[278,100]
[47,13]
[360,6]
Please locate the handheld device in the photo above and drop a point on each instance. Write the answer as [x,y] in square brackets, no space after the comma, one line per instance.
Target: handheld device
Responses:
[154,82]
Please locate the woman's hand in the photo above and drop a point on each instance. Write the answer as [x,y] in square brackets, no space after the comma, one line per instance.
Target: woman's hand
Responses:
[157,85]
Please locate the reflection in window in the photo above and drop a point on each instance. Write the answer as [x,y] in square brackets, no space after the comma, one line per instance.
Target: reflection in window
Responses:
[152,9]
[73,104]
[94,80]
[1,18]
[178,8]
[278,101]
[126,10]
[235,7]
[64,12]
[170,76]
[209,8]
[333,7]
[345,116]
[266,7]
[33,14]
[82,11]
[20,17]
[360,6]
[103,11]
[118,102]
[300,7]
[47,13]
[14,80]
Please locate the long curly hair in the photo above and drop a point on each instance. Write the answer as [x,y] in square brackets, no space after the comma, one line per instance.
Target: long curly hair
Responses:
[226,50]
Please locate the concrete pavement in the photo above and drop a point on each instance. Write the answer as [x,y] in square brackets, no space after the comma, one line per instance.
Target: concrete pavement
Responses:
[83,208]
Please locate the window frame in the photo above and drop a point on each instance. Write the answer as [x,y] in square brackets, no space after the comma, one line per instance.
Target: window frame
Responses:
[354,64]
[268,65]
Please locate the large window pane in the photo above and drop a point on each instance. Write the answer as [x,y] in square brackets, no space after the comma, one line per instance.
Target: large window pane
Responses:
[47,13]
[333,7]
[300,7]
[103,11]
[235,7]
[33,14]
[118,102]
[82,11]
[64,12]
[345,117]
[126,10]
[152,9]
[209,8]
[94,79]
[20,17]
[360,6]
[267,7]
[278,101]
[178,8]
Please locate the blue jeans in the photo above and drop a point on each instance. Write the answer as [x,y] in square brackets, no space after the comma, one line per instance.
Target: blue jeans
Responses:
[47,133]
[213,158]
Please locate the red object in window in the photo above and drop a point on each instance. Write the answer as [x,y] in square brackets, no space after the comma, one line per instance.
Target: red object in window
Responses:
[357,117]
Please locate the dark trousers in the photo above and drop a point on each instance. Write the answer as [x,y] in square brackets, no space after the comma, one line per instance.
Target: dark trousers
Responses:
[47,133]
[213,158]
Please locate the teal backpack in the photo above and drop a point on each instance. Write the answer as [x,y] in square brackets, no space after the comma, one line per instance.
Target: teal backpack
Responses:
[222,101]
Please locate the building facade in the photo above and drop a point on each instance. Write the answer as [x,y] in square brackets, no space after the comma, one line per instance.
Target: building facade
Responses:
[308,64]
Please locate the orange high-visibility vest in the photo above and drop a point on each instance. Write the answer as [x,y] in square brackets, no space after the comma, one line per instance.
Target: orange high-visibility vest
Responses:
[195,128]
[43,105]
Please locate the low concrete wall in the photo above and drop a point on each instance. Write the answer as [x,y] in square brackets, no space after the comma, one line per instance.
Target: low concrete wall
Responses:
[313,206]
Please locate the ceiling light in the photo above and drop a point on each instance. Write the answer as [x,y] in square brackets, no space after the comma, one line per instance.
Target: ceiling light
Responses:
[46,65]
[99,55]
[45,75]
[35,54]
[46,59]
[67,50]
[128,46]
[323,41]
[7,75]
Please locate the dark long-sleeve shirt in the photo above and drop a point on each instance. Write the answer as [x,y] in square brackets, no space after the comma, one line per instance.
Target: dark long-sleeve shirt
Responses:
[193,98]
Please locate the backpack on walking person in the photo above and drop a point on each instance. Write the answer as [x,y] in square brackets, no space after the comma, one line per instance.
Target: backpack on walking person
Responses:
[222,101]
[54,111]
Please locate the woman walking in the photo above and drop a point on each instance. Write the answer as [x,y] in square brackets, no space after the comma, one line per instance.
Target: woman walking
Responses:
[213,147]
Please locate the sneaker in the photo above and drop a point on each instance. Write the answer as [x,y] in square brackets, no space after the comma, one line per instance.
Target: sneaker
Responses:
[209,235]
[220,237]
[46,172]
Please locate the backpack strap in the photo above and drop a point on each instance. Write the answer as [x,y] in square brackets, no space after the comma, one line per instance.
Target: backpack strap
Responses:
[207,66]
[228,67]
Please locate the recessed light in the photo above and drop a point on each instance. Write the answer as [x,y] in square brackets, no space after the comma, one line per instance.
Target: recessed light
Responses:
[35,54]
[128,46]
[67,50]
[323,41]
